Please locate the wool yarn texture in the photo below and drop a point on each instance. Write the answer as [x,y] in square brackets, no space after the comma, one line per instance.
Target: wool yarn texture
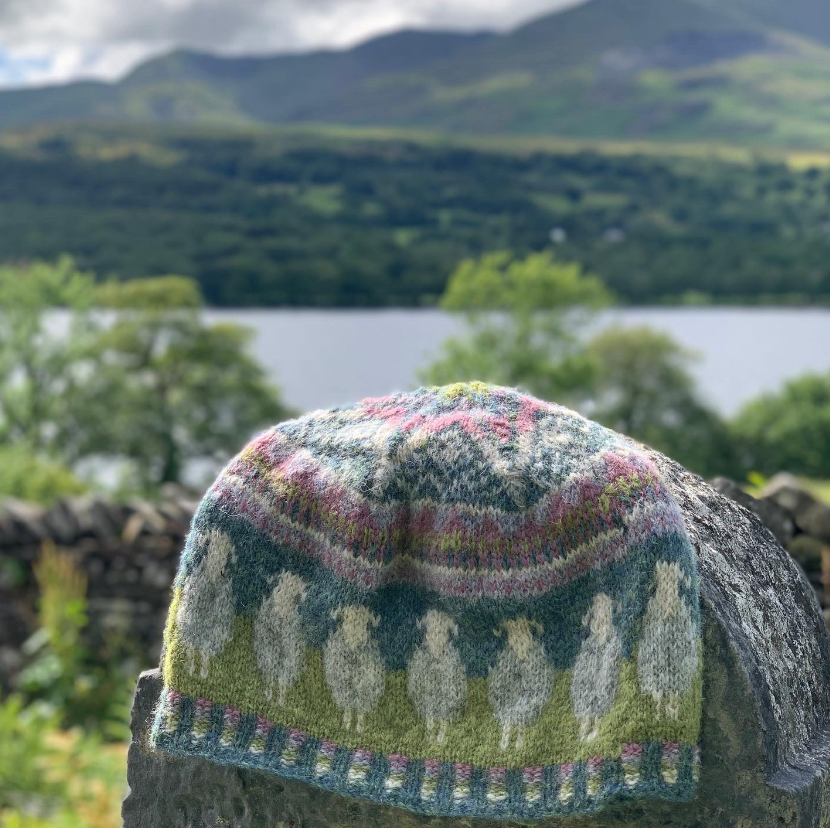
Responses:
[459,600]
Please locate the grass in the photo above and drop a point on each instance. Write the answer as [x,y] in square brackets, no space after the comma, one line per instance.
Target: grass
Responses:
[818,488]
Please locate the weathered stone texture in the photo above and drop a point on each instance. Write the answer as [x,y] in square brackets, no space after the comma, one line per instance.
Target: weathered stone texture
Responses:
[128,552]
[766,726]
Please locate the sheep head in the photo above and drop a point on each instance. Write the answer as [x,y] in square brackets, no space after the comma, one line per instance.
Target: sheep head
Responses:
[355,621]
[600,616]
[669,575]
[288,594]
[440,628]
[520,635]
[220,550]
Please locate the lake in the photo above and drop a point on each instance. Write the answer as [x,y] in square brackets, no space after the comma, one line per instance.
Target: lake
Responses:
[322,358]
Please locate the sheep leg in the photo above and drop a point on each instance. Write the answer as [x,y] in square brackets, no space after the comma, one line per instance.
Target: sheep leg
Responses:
[505,736]
[282,693]
[442,732]
[673,705]
[269,690]
[205,665]
[658,702]
[359,725]
[584,725]
[191,660]
[430,725]
[595,730]
[520,736]
[347,718]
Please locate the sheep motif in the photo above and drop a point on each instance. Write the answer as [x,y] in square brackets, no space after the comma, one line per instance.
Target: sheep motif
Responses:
[354,669]
[436,680]
[206,611]
[520,682]
[596,671]
[278,636]
[667,658]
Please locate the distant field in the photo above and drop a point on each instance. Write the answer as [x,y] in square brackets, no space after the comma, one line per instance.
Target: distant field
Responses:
[340,217]
[820,488]
[796,159]
[152,143]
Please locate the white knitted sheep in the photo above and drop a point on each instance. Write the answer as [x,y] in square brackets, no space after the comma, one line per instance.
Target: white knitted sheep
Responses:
[667,658]
[353,665]
[205,617]
[278,635]
[520,682]
[436,680]
[596,671]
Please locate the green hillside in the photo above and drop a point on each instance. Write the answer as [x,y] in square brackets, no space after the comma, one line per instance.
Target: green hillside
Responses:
[753,72]
[366,217]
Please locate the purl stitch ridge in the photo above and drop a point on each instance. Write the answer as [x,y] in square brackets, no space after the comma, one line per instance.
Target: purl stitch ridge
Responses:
[460,600]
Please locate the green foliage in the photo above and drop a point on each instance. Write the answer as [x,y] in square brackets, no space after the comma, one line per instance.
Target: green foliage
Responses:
[498,282]
[644,389]
[60,766]
[234,212]
[38,370]
[23,737]
[62,675]
[29,476]
[50,778]
[170,388]
[521,326]
[151,384]
[154,294]
[788,430]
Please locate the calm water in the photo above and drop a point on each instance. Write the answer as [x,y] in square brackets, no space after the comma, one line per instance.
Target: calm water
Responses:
[324,358]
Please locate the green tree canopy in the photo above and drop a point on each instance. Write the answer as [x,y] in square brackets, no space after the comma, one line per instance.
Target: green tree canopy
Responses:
[644,388]
[522,316]
[169,387]
[40,367]
[30,476]
[788,430]
[538,282]
[151,294]
[133,373]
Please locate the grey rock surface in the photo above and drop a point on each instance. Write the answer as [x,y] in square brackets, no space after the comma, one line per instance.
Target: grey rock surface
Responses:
[766,725]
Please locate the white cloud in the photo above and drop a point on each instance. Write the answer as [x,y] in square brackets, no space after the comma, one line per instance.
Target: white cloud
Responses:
[46,41]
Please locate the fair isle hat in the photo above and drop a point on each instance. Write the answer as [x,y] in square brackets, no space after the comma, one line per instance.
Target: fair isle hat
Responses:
[460,600]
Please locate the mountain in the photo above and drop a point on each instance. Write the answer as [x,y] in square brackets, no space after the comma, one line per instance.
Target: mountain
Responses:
[745,71]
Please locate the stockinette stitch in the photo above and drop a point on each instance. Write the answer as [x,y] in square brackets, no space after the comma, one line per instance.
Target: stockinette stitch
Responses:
[460,600]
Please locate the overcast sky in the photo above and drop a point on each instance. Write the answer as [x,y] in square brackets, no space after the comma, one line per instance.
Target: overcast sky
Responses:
[45,41]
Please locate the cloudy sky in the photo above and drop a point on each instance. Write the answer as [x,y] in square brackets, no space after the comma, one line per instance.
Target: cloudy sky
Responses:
[45,41]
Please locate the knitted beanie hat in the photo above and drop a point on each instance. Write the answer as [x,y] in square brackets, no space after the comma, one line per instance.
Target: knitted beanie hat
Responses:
[460,600]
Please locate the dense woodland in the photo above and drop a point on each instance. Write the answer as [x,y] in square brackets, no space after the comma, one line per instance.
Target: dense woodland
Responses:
[270,220]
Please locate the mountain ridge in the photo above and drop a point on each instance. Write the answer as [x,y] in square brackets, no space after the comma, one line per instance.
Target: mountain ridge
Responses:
[605,69]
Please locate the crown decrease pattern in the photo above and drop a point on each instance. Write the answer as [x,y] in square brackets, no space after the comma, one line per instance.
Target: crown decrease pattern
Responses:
[460,600]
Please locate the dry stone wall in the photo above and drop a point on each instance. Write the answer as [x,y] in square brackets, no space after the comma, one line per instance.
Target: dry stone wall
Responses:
[128,552]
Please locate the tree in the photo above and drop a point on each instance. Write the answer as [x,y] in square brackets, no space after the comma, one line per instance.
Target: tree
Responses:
[643,388]
[40,368]
[171,389]
[788,430]
[522,317]
[31,476]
